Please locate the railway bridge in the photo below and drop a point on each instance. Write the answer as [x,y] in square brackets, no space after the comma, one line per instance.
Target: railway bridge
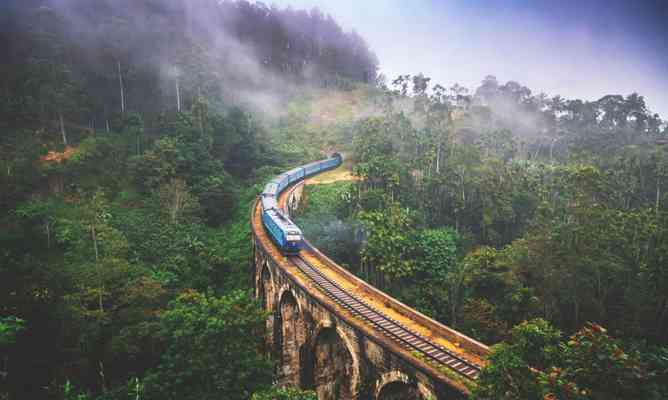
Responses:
[332,332]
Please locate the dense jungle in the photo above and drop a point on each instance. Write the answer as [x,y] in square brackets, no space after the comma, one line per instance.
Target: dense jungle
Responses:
[135,136]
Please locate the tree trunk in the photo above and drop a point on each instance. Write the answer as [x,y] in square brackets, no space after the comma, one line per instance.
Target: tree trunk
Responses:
[201,123]
[178,95]
[662,317]
[454,298]
[463,189]
[120,83]
[178,199]
[658,197]
[576,311]
[62,128]
[95,248]
[103,380]
[97,258]
[47,227]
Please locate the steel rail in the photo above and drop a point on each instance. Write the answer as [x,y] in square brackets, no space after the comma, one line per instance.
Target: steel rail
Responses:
[406,338]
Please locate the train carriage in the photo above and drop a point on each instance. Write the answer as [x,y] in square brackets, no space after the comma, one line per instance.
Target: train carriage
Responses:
[284,232]
[283,181]
[312,168]
[279,226]
[295,175]
[271,189]
[331,163]
[269,202]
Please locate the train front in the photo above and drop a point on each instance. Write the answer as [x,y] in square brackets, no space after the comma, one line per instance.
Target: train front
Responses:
[293,241]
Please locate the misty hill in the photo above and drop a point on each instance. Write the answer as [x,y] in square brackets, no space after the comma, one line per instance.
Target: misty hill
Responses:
[135,135]
[87,61]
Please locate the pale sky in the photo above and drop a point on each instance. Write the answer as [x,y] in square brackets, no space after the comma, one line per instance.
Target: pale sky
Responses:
[579,49]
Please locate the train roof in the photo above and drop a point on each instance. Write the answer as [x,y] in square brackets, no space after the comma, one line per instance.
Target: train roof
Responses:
[271,189]
[294,171]
[282,221]
[311,164]
[269,202]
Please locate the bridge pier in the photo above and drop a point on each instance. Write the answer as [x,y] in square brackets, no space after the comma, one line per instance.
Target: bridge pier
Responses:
[330,365]
[291,335]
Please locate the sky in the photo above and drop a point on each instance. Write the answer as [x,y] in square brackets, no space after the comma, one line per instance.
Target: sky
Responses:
[575,48]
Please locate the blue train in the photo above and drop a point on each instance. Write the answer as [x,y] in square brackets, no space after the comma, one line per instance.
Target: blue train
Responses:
[280,227]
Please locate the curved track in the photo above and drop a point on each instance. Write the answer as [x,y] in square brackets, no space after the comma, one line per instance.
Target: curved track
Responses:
[406,338]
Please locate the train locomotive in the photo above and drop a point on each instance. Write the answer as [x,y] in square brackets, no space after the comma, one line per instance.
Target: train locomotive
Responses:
[287,236]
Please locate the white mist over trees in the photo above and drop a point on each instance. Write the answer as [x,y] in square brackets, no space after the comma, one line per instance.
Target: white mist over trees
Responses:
[85,62]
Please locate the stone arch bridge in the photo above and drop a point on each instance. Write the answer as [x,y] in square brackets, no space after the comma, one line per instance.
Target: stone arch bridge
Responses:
[331,332]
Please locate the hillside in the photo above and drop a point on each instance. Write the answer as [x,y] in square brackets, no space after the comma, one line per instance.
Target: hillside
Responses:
[136,134]
[134,137]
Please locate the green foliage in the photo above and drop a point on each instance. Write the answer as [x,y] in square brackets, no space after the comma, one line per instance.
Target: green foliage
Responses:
[10,327]
[590,365]
[494,293]
[656,360]
[212,349]
[112,201]
[509,374]
[478,217]
[388,241]
[596,366]
[375,157]
[325,218]
[70,392]
[284,394]
[327,200]
[569,239]
[434,289]
[217,195]
[437,252]
[499,144]
[19,173]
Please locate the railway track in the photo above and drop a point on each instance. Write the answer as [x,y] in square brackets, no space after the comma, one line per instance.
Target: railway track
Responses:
[406,338]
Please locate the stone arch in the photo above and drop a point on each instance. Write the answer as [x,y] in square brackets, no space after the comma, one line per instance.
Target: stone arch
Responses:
[286,290]
[331,365]
[398,390]
[294,198]
[396,385]
[266,293]
[265,287]
[289,335]
[292,203]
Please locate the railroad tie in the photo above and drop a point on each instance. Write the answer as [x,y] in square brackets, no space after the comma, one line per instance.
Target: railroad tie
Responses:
[384,324]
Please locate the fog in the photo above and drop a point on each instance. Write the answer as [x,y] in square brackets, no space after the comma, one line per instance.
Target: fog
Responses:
[577,49]
[257,55]
[235,66]
[165,54]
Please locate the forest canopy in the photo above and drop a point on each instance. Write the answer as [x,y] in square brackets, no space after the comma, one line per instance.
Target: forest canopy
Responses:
[136,134]
[87,61]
